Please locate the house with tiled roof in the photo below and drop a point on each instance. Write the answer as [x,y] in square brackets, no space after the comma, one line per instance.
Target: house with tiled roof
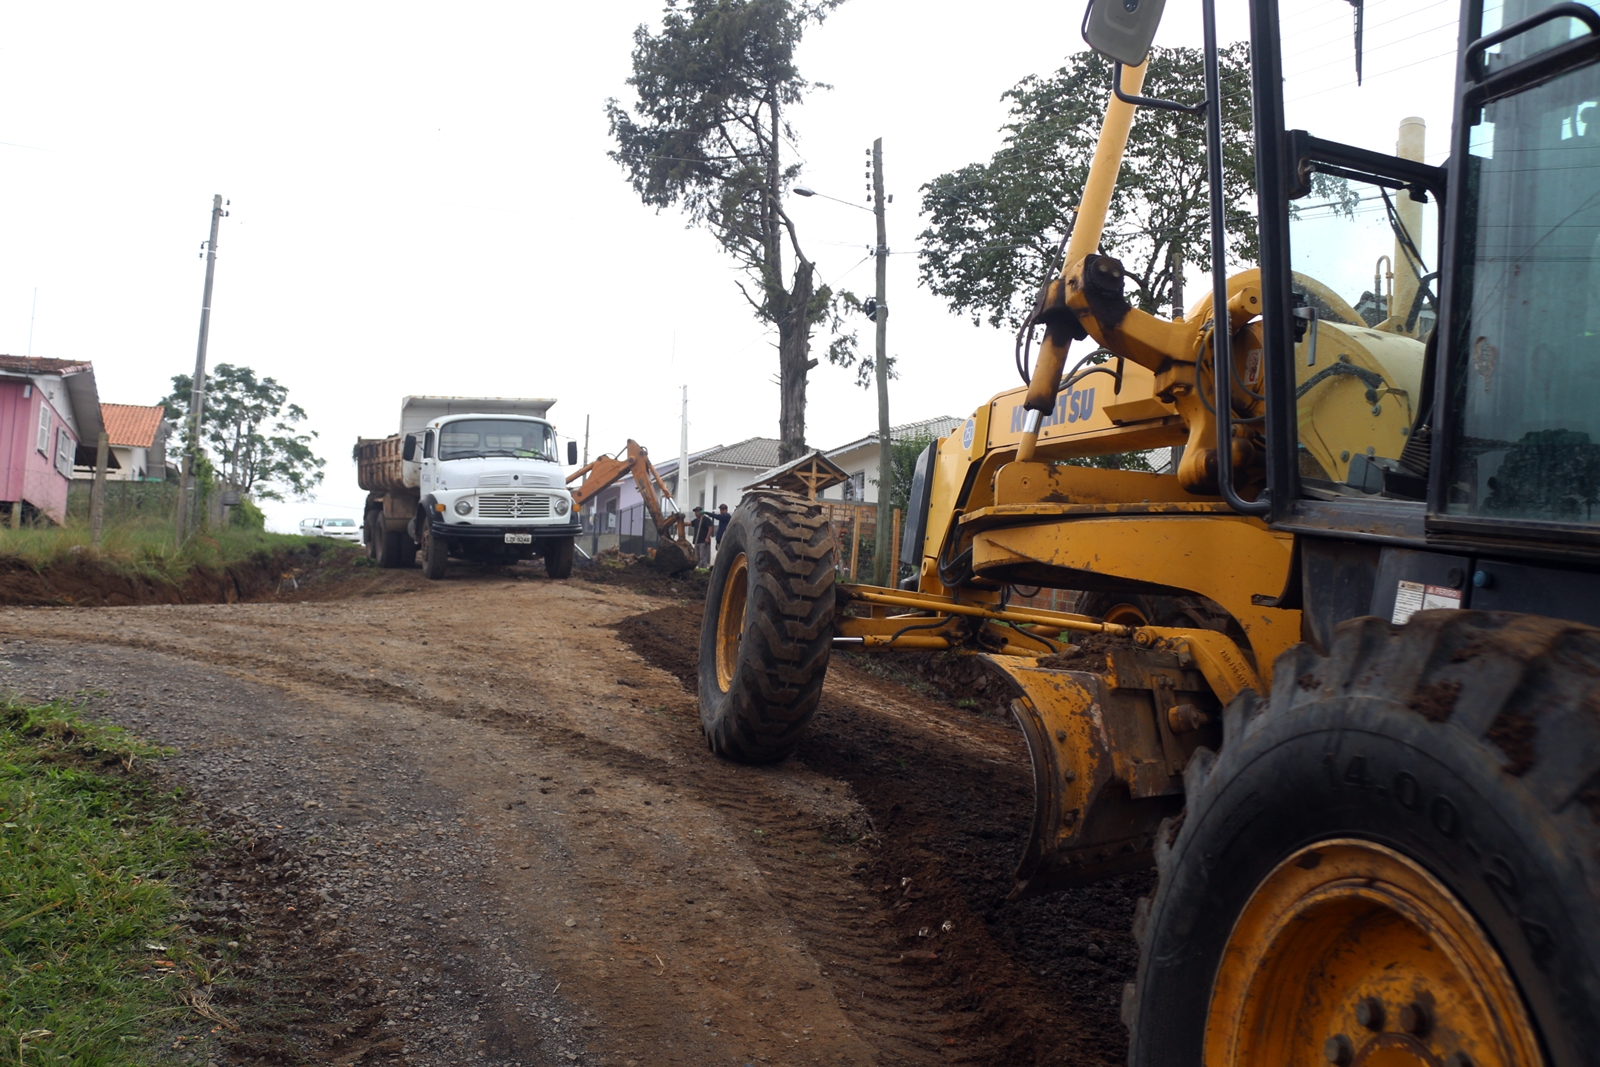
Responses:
[139,435]
[859,458]
[48,409]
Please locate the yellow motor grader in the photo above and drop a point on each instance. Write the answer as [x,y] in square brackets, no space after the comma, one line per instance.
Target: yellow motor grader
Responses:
[1342,683]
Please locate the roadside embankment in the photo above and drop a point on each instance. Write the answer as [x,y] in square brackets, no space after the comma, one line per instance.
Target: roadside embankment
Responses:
[142,564]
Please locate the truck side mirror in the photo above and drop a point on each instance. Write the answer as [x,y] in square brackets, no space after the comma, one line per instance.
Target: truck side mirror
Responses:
[572,453]
[1122,29]
[408,451]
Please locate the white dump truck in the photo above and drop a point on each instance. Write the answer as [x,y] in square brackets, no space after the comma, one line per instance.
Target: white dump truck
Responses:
[475,478]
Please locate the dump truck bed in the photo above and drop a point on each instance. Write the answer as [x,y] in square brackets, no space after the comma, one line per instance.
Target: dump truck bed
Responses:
[378,467]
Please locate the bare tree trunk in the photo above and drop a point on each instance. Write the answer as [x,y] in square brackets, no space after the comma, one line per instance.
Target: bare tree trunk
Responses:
[794,364]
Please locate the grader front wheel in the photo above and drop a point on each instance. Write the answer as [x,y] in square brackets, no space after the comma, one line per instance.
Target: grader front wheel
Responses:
[767,629]
[1392,862]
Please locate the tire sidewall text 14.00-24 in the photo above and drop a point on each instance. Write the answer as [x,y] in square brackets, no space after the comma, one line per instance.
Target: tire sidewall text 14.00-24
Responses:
[1391,738]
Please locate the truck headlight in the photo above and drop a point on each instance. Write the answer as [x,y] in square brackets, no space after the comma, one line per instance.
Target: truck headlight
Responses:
[463,506]
[563,505]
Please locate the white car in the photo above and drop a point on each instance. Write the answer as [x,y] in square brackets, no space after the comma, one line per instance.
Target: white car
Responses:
[338,529]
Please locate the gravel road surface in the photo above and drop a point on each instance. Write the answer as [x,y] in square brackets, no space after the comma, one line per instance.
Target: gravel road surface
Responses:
[481,826]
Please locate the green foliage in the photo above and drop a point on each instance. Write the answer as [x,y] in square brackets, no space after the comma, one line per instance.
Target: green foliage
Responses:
[247,516]
[91,971]
[250,430]
[903,455]
[996,226]
[706,134]
[146,547]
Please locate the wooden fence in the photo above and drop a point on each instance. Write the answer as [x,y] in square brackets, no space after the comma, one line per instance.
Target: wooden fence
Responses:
[855,528]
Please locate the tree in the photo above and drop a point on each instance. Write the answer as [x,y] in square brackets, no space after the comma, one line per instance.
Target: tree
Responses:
[250,432]
[707,134]
[997,226]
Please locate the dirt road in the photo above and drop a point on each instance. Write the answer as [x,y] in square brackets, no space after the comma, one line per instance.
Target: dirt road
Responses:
[486,804]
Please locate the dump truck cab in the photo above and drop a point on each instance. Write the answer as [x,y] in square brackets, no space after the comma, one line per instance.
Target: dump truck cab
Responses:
[491,487]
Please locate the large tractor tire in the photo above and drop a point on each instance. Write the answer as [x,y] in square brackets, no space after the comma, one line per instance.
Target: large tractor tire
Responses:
[395,549]
[558,557]
[435,552]
[768,627]
[1395,859]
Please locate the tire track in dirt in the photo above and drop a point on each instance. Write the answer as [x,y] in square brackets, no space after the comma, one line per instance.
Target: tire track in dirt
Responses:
[948,796]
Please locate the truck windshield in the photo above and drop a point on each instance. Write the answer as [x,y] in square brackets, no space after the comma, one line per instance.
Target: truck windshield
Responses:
[497,437]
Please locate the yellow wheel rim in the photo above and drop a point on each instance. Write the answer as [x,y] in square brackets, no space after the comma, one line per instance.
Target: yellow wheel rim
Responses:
[1351,954]
[730,620]
[1126,615]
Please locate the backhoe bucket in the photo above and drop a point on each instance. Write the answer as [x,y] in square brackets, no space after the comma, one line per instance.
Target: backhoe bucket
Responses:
[675,557]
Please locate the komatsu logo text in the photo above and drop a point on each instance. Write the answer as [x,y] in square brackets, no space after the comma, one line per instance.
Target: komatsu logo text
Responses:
[1074,406]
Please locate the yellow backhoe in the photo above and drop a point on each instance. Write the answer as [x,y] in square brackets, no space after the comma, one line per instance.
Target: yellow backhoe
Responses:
[673,553]
[1367,770]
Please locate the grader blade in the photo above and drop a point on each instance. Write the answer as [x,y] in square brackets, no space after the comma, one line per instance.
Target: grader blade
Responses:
[1108,745]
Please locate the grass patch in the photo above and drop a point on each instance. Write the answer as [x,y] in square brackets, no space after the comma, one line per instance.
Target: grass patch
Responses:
[91,971]
[146,547]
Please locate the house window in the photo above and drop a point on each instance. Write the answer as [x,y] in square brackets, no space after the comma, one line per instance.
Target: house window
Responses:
[855,486]
[43,444]
[713,496]
[611,516]
[64,450]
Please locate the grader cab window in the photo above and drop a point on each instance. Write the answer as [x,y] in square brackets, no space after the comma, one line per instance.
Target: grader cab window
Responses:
[1526,369]
[1364,233]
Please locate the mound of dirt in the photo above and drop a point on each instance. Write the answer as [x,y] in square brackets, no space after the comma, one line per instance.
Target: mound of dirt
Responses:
[948,825]
[641,574]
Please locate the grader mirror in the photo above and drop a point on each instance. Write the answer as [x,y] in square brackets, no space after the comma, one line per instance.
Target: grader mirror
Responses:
[1122,29]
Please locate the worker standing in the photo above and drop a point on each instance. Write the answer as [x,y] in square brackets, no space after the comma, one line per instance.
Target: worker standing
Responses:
[702,527]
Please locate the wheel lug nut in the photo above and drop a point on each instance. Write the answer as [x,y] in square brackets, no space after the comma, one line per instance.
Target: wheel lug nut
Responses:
[1338,1050]
[1369,1013]
[1414,1019]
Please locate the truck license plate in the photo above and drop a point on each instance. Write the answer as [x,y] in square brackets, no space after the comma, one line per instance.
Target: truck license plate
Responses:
[519,539]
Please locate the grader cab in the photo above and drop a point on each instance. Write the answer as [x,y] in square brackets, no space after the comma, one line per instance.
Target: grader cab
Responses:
[1339,680]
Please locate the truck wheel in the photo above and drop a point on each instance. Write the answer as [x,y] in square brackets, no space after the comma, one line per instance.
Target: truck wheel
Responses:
[1395,858]
[372,533]
[767,629]
[435,554]
[395,549]
[558,555]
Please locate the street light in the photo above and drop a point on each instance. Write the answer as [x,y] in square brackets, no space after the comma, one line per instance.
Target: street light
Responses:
[805,190]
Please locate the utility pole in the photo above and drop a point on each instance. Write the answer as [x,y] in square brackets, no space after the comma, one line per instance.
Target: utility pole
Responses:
[586,440]
[197,391]
[880,317]
[1177,281]
[682,489]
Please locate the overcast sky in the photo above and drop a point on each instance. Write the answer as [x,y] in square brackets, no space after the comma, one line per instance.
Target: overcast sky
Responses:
[422,203]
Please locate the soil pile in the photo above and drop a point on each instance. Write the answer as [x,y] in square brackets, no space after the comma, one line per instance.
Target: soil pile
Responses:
[640,574]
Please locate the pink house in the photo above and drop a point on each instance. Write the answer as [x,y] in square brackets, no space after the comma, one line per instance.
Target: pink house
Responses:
[48,409]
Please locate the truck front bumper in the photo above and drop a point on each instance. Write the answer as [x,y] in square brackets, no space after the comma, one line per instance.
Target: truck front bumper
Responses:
[462,531]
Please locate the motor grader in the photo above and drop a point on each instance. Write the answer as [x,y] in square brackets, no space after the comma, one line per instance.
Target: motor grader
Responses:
[1341,686]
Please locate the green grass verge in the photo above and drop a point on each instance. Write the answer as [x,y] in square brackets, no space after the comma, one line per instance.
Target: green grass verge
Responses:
[91,971]
[144,547]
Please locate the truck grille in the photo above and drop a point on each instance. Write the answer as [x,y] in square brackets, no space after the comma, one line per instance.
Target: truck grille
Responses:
[513,506]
